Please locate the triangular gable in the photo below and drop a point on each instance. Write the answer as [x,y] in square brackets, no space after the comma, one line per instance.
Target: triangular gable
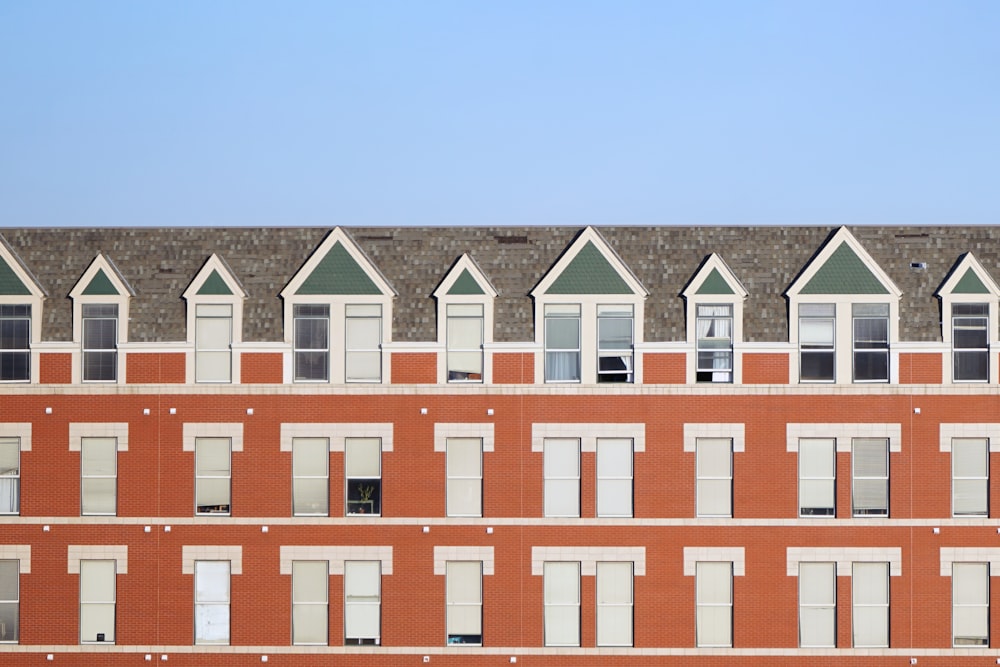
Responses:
[968,277]
[714,278]
[215,278]
[843,266]
[15,279]
[102,278]
[589,266]
[465,278]
[338,267]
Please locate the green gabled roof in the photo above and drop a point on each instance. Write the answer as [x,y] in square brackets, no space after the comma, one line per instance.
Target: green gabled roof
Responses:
[715,284]
[10,283]
[844,273]
[589,273]
[101,285]
[970,284]
[214,284]
[338,273]
[466,284]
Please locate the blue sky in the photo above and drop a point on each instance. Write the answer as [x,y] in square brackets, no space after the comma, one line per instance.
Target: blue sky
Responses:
[490,113]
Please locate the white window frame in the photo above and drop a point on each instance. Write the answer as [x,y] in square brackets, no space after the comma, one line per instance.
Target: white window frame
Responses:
[203,604]
[355,313]
[862,621]
[873,312]
[366,599]
[980,480]
[463,603]
[319,312]
[106,349]
[95,477]
[206,313]
[301,479]
[710,344]
[964,608]
[90,568]
[562,606]
[560,484]
[563,312]
[12,477]
[983,325]
[352,482]
[614,483]
[817,612]
[709,484]
[858,480]
[623,356]
[310,601]
[705,605]
[806,480]
[12,635]
[816,348]
[615,603]
[201,443]
[455,314]
[10,316]
[464,489]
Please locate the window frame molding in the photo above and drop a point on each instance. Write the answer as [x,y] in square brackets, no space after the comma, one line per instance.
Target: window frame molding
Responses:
[487,300]
[949,298]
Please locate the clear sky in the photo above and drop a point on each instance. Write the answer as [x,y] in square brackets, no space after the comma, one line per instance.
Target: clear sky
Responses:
[490,112]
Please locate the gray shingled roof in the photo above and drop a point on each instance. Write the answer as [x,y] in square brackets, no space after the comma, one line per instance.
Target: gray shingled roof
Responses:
[160,263]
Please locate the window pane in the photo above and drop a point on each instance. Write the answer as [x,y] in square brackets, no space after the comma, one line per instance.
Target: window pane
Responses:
[310,457]
[364,366]
[310,580]
[310,623]
[211,623]
[212,456]
[714,457]
[97,456]
[614,457]
[311,496]
[98,496]
[465,333]
[562,333]
[363,457]
[213,333]
[211,581]
[364,333]
[213,366]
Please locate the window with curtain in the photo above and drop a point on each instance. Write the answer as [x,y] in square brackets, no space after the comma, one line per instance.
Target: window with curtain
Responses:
[562,603]
[870,483]
[100,342]
[464,602]
[614,477]
[465,476]
[562,343]
[561,468]
[714,604]
[714,471]
[10,475]
[817,605]
[363,602]
[465,323]
[310,477]
[816,342]
[817,476]
[714,332]
[363,471]
[15,343]
[213,475]
[970,342]
[970,482]
[10,600]
[310,602]
[871,342]
[312,342]
[614,343]
[211,601]
[870,613]
[98,476]
[213,360]
[363,339]
[97,601]
[970,598]
[614,604]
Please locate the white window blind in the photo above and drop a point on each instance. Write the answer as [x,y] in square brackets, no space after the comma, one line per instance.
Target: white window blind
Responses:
[870,465]
[98,475]
[100,342]
[614,603]
[211,601]
[714,469]
[465,342]
[311,476]
[714,603]
[312,342]
[816,342]
[97,601]
[817,605]
[363,338]
[10,600]
[465,476]
[714,330]
[10,475]
[363,468]
[213,475]
[362,602]
[970,590]
[562,603]
[562,477]
[213,343]
[615,343]
[562,343]
[970,468]
[614,477]
[310,601]
[464,602]
[870,595]
[817,476]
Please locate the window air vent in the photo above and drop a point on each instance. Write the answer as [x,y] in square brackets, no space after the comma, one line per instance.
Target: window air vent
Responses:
[502,240]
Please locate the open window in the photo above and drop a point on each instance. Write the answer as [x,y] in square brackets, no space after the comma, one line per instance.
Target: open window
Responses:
[714,298]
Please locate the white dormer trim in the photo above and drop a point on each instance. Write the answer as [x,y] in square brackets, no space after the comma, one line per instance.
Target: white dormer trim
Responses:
[217,264]
[35,299]
[842,235]
[693,299]
[968,262]
[100,263]
[589,235]
[444,299]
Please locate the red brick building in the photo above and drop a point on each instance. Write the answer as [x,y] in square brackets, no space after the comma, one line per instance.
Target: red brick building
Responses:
[472,446]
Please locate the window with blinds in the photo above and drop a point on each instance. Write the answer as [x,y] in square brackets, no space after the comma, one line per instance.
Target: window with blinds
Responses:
[213,475]
[465,342]
[464,602]
[363,471]
[970,342]
[816,342]
[98,476]
[562,603]
[614,477]
[312,342]
[714,472]
[310,602]
[614,603]
[310,476]
[562,477]
[714,604]
[870,597]
[970,477]
[363,602]
[870,472]
[970,596]
[100,342]
[213,360]
[817,605]
[817,477]
[97,601]
[363,341]
[871,342]
[465,476]
[562,343]
[211,601]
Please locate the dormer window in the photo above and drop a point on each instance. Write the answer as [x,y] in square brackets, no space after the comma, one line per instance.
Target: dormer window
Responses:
[465,342]
[562,343]
[714,327]
[214,323]
[970,300]
[363,361]
[970,342]
[817,333]
[100,342]
[714,297]
[15,342]
[100,322]
[871,342]
[312,342]
[213,347]
[614,343]
[465,323]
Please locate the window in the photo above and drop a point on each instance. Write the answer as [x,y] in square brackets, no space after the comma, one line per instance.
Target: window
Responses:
[817,476]
[363,362]
[614,477]
[464,602]
[871,342]
[362,602]
[562,476]
[714,471]
[100,342]
[562,343]
[213,342]
[310,601]
[614,343]
[714,602]
[98,476]
[870,489]
[9,600]
[363,467]
[10,475]
[15,343]
[715,343]
[614,604]
[970,596]
[465,342]
[312,343]
[816,336]
[817,605]
[211,602]
[213,475]
[97,601]
[970,336]
[562,603]
[465,476]
[310,477]
[970,470]
[870,595]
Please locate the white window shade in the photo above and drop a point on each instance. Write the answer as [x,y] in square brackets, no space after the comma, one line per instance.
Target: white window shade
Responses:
[212,475]
[311,476]
[464,602]
[870,463]
[870,593]
[362,602]
[97,601]
[614,604]
[10,475]
[465,476]
[970,476]
[817,476]
[562,477]
[714,602]
[817,605]
[714,461]
[211,602]
[310,602]
[98,475]
[363,337]
[614,477]
[213,340]
[562,603]
[970,585]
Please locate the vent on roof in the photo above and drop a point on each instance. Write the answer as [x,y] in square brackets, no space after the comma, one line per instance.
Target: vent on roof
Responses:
[511,239]
[915,235]
[372,237]
[919,266]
